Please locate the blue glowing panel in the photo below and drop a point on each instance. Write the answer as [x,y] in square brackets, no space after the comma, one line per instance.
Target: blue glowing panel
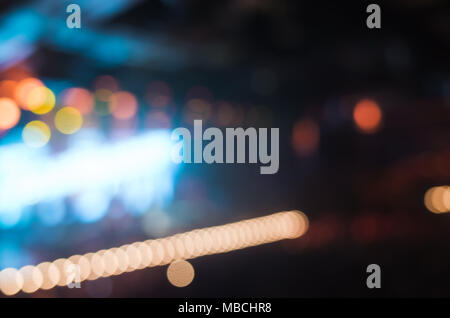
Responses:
[138,172]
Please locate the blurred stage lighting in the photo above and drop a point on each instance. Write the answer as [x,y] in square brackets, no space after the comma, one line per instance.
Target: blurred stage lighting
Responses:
[88,175]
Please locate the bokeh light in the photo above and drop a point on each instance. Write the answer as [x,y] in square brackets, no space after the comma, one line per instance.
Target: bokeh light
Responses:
[123,105]
[7,88]
[437,199]
[11,281]
[68,120]
[40,100]
[36,134]
[32,278]
[24,88]
[9,113]
[367,115]
[79,98]
[180,273]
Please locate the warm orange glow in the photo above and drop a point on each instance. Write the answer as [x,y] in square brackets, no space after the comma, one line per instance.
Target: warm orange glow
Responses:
[169,250]
[437,199]
[180,273]
[8,88]
[123,105]
[367,115]
[305,137]
[9,113]
[24,88]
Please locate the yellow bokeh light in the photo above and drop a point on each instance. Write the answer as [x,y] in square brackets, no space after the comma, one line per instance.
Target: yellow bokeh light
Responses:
[68,120]
[40,100]
[180,273]
[36,134]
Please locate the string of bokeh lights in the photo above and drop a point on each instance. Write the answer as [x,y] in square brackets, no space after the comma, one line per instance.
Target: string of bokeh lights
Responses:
[139,255]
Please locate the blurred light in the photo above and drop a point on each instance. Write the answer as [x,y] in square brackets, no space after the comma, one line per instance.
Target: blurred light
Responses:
[123,105]
[305,137]
[36,134]
[217,239]
[9,113]
[102,99]
[180,273]
[197,109]
[91,172]
[158,119]
[437,199]
[7,88]
[50,275]
[79,98]
[68,120]
[103,95]
[91,206]
[32,278]
[40,100]
[106,82]
[158,94]
[156,223]
[11,281]
[24,88]
[367,115]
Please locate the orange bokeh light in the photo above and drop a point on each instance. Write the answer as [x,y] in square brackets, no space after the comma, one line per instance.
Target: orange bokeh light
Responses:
[7,88]
[9,113]
[367,115]
[23,90]
[123,105]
